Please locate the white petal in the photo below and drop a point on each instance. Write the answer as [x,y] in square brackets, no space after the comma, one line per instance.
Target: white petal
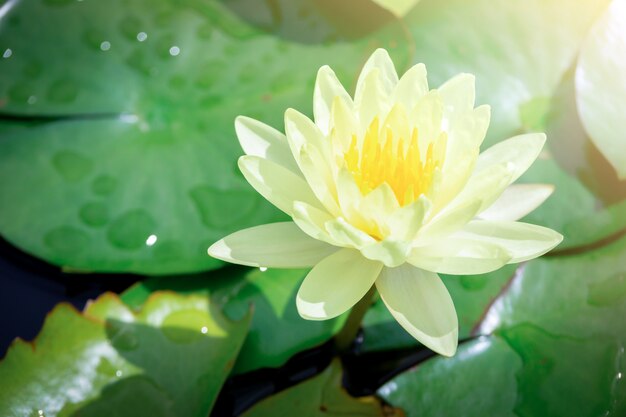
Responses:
[412,86]
[343,125]
[458,94]
[259,139]
[487,185]
[517,201]
[381,61]
[422,305]
[320,178]
[370,100]
[392,253]
[336,284]
[312,221]
[522,240]
[276,245]
[448,221]
[347,235]
[519,151]
[405,223]
[302,131]
[459,256]
[327,89]
[276,183]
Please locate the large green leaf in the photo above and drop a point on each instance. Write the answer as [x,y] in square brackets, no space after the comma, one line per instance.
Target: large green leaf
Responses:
[142,176]
[169,359]
[277,332]
[321,396]
[561,316]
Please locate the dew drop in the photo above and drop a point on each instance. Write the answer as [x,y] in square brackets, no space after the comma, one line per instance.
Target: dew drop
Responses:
[151,240]
[7,53]
[174,50]
[131,230]
[118,373]
[187,326]
[72,166]
[263,268]
[142,36]
[105,46]
[66,240]
[94,214]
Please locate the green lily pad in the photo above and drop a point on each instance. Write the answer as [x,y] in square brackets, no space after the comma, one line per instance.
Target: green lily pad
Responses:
[321,396]
[518,50]
[141,175]
[478,381]
[169,359]
[277,332]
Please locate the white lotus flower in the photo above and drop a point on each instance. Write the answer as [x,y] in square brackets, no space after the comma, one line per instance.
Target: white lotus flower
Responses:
[389,189]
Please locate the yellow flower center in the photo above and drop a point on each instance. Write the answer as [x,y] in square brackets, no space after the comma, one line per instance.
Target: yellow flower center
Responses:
[401,165]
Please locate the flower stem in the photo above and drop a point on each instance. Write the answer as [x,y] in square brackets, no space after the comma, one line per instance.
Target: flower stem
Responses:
[350,329]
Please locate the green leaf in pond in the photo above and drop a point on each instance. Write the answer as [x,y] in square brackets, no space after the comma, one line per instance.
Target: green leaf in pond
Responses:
[277,332]
[139,174]
[478,381]
[321,396]
[170,359]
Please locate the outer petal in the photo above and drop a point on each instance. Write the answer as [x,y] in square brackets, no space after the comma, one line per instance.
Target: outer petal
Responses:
[517,201]
[381,61]
[302,131]
[336,284]
[264,141]
[276,245]
[422,305]
[347,235]
[487,185]
[522,240]
[276,183]
[459,256]
[448,221]
[327,89]
[519,151]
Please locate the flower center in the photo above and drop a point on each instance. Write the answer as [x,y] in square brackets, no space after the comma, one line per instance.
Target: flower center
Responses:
[399,163]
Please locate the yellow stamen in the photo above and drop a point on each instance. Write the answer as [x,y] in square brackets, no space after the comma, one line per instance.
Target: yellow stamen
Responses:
[375,162]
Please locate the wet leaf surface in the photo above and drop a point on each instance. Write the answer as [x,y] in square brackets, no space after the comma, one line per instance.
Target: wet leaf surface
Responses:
[169,359]
[277,332]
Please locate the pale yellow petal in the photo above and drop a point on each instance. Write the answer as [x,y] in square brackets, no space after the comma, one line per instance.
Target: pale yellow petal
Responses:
[517,201]
[380,61]
[459,256]
[405,223]
[277,184]
[259,139]
[412,86]
[523,241]
[487,185]
[420,302]
[370,100]
[327,90]
[392,253]
[458,94]
[519,152]
[336,284]
[347,235]
[276,245]
[312,220]
[302,131]
[448,221]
